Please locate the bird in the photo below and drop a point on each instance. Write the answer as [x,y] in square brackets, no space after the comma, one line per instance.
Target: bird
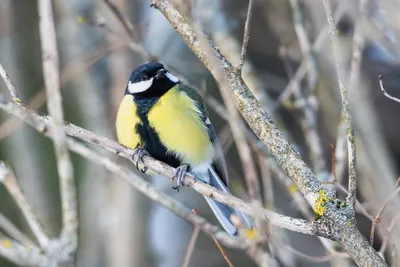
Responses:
[167,119]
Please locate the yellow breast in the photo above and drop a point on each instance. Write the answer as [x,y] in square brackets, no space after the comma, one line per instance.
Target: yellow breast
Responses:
[126,122]
[176,119]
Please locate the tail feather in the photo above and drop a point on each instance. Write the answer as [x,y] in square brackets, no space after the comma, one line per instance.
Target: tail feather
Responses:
[223,212]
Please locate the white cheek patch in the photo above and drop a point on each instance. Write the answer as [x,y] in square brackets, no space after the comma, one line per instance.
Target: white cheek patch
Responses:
[139,87]
[171,77]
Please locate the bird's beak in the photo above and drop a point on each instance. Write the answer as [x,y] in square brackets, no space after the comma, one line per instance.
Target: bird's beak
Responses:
[160,74]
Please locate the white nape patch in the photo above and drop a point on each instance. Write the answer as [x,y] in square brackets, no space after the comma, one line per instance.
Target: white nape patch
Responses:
[171,77]
[139,87]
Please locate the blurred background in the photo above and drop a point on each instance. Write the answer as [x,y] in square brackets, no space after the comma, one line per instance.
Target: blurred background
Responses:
[121,227]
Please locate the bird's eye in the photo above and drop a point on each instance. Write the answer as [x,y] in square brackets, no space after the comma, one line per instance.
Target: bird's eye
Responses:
[144,78]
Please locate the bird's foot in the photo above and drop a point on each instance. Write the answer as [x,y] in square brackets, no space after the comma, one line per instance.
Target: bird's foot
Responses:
[180,173]
[140,153]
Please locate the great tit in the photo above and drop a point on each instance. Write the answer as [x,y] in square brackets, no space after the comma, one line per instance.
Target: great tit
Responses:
[167,119]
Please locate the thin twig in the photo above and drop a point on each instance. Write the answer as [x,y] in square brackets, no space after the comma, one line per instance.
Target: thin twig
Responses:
[228,261]
[9,228]
[54,105]
[10,85]
[380,77]
[351,142]
[246,36]
[21,255]
[7,177]
[377,218]
[385,239]
[129,29]
[308,119]
[191,244]
[70,71]
[355,69]
[302,69]
[309,258]
[305,46]
[120,16]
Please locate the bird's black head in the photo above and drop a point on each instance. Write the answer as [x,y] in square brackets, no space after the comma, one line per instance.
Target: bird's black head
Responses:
[150,80]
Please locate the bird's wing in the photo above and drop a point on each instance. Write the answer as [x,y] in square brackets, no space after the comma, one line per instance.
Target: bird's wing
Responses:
[219,158]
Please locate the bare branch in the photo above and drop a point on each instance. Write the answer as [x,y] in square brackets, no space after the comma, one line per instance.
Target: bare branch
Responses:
[314,258]
[22,255]
[191,245]
[358,46]
[54,105]
[42,124]
[308,120]
[351,142]
[377,218]
[124,21]
[304,43]
[302,69]
[347,233]
[129,29]
[70,71]
[245,154]
[9,85]
[9,228]
[157,196]
[237,127]
[249,107]
[228,261]
[8,179]
[384,91]
[246,36]
[386,234]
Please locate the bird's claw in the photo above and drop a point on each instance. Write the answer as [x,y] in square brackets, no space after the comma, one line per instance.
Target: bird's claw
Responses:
[140,153]
[180,173]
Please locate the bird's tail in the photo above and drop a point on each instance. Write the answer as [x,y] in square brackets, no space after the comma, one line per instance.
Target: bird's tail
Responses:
[224,213]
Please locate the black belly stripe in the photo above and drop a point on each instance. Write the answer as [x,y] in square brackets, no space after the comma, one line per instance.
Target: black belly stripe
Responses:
[149,136]
[153,145]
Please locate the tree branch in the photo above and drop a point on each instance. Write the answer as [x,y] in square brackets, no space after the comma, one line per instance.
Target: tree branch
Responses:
[9,85]
[246,36]
[10,182]
[10,229]
[339,222]
[42,124]
[249,107]
[351,141]
[377,218]
[21,255]
[384,91]
[54,105]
